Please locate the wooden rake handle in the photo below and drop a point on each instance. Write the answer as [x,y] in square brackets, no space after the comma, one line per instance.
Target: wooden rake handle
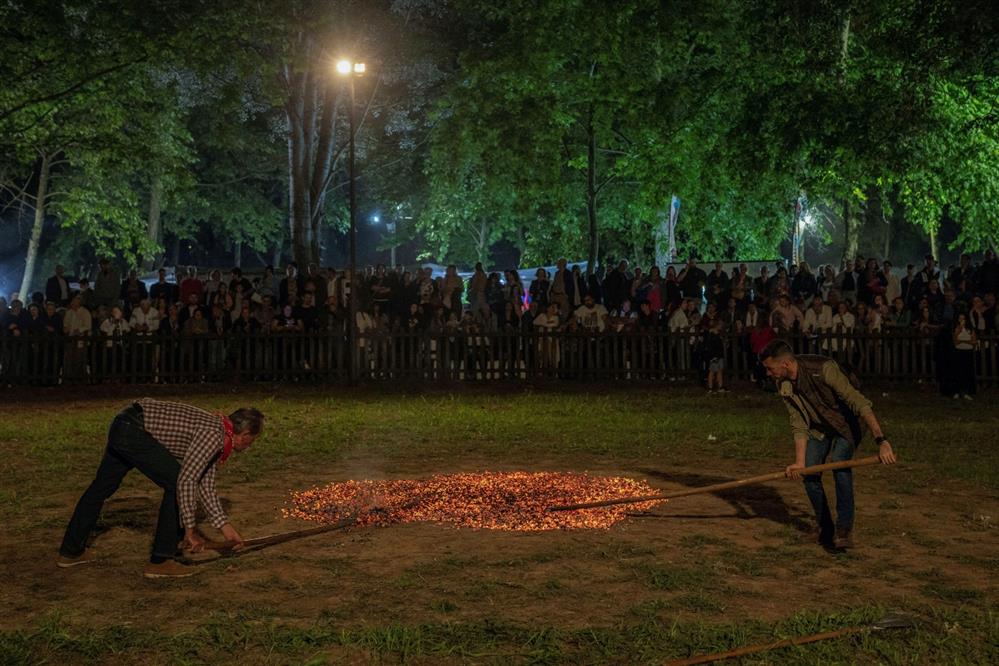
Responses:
[753,480]
[226,546]
[752,649]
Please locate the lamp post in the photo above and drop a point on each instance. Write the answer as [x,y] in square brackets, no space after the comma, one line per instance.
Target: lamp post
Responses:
[352,70]
[390,228]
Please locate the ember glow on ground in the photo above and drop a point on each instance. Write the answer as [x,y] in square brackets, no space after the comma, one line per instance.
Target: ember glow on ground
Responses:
[515,501]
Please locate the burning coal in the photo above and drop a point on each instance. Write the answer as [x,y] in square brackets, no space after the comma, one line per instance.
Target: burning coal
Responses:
[489,500]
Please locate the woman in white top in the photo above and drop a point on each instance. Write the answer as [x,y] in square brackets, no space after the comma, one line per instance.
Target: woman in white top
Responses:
[115,326]
[963,367]
[678,321]
[843,323]
[547,324]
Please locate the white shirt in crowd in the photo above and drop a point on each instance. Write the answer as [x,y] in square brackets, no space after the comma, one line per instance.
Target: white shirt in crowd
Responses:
[112,326]
[546,323]
[678,320]
[846,320]
[841,323]
[149,319]
[77,322]
[816,322]
[594,318]
[893,290]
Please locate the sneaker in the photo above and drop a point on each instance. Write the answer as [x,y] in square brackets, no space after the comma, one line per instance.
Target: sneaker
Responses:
[87,556]
[956,396]
[723,390]
[844,539]
[711,391]
[168,569]
[967,397]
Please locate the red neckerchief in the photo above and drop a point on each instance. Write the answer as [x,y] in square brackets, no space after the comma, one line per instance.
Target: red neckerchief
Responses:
[227,442]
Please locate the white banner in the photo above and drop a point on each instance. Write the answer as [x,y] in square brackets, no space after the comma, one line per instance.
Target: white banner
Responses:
[674,215]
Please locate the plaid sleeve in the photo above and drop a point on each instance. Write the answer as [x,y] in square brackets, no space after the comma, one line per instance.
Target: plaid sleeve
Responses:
[195,465]
[210,499]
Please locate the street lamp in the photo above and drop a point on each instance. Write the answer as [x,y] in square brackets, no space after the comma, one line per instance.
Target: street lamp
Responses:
[352,70]
[390,228]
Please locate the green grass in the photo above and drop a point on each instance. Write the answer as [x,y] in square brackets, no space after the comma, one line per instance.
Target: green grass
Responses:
[950,636]
[587,426]
[682,595]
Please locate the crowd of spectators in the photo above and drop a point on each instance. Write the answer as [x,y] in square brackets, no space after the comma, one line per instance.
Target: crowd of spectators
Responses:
[720,308]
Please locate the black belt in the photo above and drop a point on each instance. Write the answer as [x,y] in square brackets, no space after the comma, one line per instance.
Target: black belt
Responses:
[134,413]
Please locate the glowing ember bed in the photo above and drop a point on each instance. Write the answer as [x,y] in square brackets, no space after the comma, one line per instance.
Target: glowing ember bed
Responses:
[488,500]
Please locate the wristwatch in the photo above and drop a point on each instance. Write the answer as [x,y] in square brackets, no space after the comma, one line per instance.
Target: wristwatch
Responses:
[880,440]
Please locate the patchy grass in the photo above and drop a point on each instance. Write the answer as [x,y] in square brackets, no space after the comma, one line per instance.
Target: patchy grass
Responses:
[947,636]
[699,575]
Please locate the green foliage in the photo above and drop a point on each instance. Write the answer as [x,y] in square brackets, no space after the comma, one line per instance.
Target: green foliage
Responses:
[735,107]
[479,118]
[955,170]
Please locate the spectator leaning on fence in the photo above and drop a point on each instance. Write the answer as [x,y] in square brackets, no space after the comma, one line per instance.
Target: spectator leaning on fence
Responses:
[964,341]
[638,301]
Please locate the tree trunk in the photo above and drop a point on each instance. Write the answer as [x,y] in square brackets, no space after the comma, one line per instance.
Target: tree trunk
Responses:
[175,258]
[36,229]
[934,249]
[591,194]
[237,254]
[850,239]
[311,114]
[481,243]
[886,253]
[662,252]
[521,245]
[278,251]
[153,222]
[844,45]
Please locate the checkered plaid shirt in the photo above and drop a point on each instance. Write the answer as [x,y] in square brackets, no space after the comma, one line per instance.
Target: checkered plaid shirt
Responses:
[195,438]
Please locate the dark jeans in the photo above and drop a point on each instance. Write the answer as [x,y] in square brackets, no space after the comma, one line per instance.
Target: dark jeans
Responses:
[129,445]
[835,449]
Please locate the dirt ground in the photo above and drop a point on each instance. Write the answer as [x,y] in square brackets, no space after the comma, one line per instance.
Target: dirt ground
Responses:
[744,553]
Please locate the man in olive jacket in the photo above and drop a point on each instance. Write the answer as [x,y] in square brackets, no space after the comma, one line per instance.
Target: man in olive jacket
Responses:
[826,411]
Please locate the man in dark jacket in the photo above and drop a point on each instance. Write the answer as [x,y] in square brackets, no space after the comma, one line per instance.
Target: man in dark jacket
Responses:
[692,280]
[616,286]
[57,288]
[987,276]
[826,411]
[168,291]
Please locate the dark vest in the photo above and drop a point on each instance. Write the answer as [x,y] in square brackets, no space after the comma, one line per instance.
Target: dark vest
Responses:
[836,417]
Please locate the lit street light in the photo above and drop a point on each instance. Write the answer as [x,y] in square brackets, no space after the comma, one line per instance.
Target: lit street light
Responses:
[353,70]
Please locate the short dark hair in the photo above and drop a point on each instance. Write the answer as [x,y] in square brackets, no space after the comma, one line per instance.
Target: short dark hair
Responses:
[247,419]
[774,349]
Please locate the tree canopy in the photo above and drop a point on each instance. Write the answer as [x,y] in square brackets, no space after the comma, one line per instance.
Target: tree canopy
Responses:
[212,131]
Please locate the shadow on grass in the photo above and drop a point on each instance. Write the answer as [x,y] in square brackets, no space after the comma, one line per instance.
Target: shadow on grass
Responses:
[752,502]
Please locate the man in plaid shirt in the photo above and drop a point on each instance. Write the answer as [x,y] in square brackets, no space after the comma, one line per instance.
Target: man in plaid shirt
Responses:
[178,447]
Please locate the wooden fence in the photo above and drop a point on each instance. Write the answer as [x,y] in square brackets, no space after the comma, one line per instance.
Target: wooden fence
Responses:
[905,357]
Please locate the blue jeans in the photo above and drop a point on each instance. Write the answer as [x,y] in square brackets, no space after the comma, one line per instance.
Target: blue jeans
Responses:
[835,449]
